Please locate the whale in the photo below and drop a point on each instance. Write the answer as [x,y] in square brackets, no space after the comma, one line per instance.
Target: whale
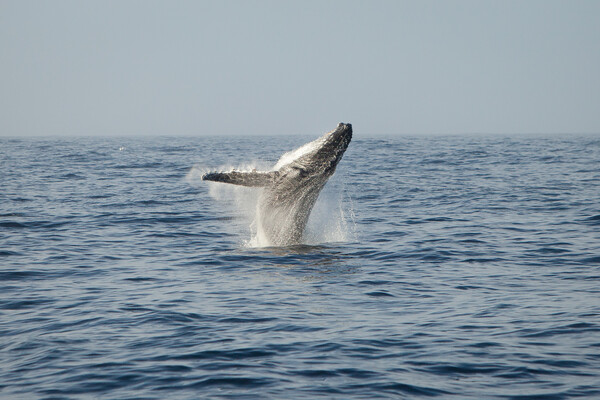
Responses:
[290,189]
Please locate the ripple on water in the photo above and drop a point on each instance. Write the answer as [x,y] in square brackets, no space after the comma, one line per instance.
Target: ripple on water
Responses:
[471,271]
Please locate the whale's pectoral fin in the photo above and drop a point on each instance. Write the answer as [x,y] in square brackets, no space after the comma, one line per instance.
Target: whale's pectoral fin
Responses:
[254,179]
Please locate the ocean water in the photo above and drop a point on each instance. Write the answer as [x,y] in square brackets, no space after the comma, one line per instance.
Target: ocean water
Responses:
[449,267]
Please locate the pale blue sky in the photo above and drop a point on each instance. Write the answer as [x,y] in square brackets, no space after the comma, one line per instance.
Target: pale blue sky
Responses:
[283,67]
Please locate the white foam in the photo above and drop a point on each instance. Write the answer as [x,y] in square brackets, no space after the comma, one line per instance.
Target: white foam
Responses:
[332,219]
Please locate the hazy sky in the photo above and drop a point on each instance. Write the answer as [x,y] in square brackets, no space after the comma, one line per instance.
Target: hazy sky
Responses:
[298,67]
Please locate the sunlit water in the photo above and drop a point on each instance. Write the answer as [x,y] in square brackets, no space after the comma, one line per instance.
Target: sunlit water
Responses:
[456,267]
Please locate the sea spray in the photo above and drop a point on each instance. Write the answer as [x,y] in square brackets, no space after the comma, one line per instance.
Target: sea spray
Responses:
[289,192]
[331,219]
[241,202]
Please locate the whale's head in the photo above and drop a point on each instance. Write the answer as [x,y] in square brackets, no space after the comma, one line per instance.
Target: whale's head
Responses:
[334,146]
[320,157]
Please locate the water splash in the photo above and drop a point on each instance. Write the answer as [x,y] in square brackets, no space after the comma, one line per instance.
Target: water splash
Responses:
[331,220]
[240,201]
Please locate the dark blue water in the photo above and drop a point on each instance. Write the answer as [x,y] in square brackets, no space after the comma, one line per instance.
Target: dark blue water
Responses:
[459,267]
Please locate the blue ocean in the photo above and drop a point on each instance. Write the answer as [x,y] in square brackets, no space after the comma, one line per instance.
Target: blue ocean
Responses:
[451,267]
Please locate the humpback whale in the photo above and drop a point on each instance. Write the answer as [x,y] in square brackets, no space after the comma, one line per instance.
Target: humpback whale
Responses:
[289,191]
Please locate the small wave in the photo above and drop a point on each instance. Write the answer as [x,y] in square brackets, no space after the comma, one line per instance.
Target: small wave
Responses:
[42,224]
[72,175]
[7,253]
[138,166]
[25,304]
[590,260]
[594,220]
[232,381]
[225,355]
[379,293]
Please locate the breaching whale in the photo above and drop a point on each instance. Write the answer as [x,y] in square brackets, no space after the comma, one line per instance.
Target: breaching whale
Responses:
[289,191]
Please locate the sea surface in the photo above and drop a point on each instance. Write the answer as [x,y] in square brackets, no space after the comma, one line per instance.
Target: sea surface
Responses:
[451,267]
